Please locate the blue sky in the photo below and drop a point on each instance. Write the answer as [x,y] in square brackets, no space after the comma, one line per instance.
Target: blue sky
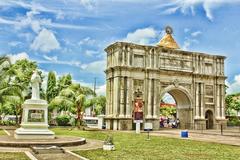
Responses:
[69,36]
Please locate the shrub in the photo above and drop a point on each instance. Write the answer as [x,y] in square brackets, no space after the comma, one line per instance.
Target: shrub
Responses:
[63,120]
[8,123]
[108,140]
[233,121]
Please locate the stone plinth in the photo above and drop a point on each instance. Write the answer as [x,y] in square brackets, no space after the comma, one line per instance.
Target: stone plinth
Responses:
[34,121]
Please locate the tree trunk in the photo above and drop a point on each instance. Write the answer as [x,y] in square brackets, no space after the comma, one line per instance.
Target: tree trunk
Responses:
[78,116]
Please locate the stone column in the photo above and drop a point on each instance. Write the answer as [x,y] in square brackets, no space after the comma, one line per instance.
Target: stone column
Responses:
[149,112]
[223,101]
[129,98]
[123,57]
[121,97]
[202,101]
[155,104]
[150,59]
[218,102]
[128,58]
[155,60]
[197,102]
[115,124]
[115,96]
[45,112]
[107,98]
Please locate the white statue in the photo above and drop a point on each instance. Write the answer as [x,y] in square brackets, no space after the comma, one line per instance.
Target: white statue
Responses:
[35,80]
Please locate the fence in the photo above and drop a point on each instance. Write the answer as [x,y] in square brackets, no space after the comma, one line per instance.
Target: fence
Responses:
[216,129]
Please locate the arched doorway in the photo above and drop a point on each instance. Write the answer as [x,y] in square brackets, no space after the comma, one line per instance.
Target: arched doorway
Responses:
[209,119]
[183,102]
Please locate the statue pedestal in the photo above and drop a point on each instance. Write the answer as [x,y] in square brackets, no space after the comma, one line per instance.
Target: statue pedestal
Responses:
[34,121]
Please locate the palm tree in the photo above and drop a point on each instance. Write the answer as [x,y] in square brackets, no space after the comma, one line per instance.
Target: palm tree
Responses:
[9,92]
[64,101]
[72,99]
[80,99]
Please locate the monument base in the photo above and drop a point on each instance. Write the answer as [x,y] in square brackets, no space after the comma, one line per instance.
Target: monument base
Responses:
[22,133]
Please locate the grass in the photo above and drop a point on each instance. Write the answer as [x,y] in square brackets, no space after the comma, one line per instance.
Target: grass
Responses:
[13,156]
[130,146]
[2,132]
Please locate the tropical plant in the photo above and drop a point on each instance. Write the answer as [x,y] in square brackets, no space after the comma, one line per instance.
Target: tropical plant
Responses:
[63,120]
[80,99]
[100,104]
[64,102]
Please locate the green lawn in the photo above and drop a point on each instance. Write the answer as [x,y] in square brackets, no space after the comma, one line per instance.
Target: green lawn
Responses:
[13,156]
[2,132]
[130,146]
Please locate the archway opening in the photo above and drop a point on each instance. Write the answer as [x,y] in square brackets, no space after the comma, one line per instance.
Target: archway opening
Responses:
[209,119]
[175,109]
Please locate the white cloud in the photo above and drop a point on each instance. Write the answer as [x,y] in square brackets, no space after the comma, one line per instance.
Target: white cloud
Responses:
[14,43]
[87,41]
[187,6]
[95,67]
[89,4]
[36,24]
[18,56]
[142,36]
[191,38]
[45,41]
[101,90]
[54,60]
[235,86]
[188,42]
[186,30]
[91,53]
[195,34]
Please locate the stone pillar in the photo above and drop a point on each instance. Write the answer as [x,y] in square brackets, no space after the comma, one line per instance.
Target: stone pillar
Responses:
[129,98]
[115,124]
[155,60]
[150,60]
[218,102]
[149,111]
[121,97]
[155,104]
[107,98]
[110,111]
[116,96]
[123,57]
[223,101]
[45,115]
[128,58]
[202,101]
[197,102]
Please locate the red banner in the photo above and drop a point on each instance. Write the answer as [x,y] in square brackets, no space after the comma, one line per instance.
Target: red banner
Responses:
[138,109]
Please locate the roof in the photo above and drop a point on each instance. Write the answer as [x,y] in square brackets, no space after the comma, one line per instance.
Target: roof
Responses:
[168,42]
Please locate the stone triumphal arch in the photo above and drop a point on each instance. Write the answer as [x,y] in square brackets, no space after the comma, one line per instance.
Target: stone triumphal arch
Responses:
[195,80]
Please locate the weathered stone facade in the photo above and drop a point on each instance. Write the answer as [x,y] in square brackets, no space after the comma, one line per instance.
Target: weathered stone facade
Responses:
[195,80]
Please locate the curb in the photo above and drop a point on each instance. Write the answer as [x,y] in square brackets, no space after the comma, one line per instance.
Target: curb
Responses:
[30,155]
[76,155]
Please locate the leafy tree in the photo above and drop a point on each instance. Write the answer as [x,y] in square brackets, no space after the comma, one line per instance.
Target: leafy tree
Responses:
[51,86]
[64,101]
[232,104]
[100,104]
[80,99]
[168,111]
[73,99]
[64,82]
[10,93]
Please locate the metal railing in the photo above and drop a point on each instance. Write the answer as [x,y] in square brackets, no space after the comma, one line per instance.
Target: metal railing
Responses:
[213,129]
